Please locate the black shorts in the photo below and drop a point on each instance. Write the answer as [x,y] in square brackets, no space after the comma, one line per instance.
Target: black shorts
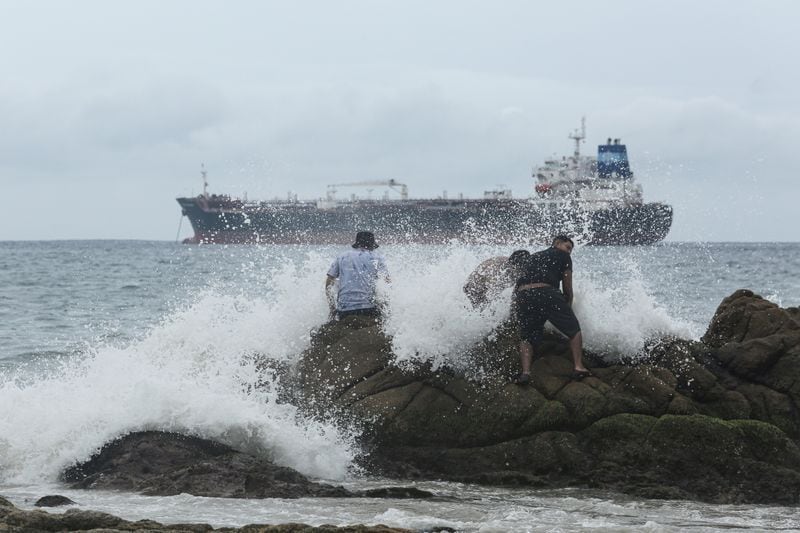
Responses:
[537,306]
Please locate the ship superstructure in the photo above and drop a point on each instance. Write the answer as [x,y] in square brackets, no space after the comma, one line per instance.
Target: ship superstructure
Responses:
[601,182]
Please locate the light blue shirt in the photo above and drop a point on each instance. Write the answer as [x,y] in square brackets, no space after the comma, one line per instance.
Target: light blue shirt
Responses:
[357,271]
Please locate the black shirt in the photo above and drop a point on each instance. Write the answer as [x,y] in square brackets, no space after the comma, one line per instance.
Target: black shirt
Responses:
[547,266]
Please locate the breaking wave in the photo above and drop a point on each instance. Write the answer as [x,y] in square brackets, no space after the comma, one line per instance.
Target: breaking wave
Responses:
[194,370]
[193,373]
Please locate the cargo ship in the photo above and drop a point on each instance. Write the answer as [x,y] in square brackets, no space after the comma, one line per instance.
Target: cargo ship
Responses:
[594,199]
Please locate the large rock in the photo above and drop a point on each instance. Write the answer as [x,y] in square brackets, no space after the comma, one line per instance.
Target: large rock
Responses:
[757,344]
[162,464]
[743,316]
[714,420]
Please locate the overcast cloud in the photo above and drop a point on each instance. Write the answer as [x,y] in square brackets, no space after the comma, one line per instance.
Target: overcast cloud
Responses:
[109,108]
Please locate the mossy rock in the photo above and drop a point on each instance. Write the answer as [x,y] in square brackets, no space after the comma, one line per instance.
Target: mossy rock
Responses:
[620,439]
[768,443]
[502,414]
[585,404]
[552,415]
[685,442]
[547,453]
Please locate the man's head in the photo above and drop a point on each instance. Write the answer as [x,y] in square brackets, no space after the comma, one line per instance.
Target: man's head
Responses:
[366,240]
[517,259]
[563,243]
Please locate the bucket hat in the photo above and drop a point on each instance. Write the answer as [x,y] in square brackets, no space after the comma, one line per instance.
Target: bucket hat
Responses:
[365,239]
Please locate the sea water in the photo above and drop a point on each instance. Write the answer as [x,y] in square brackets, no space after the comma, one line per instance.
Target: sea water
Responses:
[101,338]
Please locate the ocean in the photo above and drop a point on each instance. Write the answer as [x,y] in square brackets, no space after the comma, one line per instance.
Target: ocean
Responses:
[101,338]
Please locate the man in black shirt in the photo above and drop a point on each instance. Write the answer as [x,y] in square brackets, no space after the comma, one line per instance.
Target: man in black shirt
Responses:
[539,300]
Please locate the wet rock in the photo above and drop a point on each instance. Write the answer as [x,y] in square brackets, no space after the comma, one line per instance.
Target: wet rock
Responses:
[13,519]
[685,419]
[54,500]
[695,454]
[744,315]
[758,342]
[163,464]
[397,493]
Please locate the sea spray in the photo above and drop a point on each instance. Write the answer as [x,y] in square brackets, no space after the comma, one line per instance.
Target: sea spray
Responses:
[620,319]
[429,316]
[431,320]
[193,373]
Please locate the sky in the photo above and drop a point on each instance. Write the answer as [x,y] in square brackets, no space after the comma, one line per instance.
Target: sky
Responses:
[108,109]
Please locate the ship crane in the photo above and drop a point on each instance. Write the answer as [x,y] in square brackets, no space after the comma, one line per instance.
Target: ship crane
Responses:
[392,184]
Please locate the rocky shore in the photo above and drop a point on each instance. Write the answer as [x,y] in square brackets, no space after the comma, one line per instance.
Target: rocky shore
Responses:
[713,420]
[13,519]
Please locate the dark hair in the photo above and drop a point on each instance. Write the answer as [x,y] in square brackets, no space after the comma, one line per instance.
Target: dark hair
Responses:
[517,259]
[562,238]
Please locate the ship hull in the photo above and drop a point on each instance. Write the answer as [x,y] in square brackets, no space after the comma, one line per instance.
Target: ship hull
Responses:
[423,221]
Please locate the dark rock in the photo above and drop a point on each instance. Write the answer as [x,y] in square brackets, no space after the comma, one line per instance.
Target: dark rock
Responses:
[54,500]
[694,454]
[157,463]
[686,419]
[743,316]
[396,493]
[771,406]
[328,363]
[73,520]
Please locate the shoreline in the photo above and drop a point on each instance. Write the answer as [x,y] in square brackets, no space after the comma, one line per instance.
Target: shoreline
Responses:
[12,518]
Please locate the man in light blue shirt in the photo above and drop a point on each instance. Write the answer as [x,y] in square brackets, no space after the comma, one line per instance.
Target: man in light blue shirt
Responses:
[357,271]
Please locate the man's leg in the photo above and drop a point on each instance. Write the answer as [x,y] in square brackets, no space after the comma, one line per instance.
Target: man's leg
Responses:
[576,347]
[530,321]
[525,356]
[563,318]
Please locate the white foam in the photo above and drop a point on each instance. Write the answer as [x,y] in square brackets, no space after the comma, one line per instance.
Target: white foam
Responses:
[619,319]
[194,373]
[431,319]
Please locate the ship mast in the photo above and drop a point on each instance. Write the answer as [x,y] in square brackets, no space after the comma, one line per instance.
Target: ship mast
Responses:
[204,174]
[578,137]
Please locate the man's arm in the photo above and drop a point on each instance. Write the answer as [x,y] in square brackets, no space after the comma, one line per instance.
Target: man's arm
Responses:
[330,293]
[475,290]
[566,286]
